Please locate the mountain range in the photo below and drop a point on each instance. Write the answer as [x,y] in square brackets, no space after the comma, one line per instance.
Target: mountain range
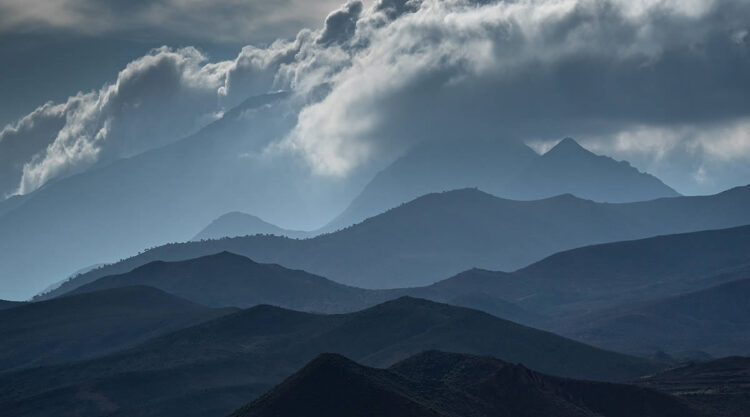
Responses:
[439,235]
[506,169]
[215,367]
[437,384]
[83,326]
[623,296]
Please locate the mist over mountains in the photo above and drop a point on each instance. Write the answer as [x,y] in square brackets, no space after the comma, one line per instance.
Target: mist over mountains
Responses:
[445,208]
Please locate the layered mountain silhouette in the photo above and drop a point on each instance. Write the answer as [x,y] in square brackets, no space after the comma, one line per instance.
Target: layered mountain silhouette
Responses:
[241,224]
[93,324]
[504,168]
[216,367]
[715,320]
[163,195]
[439,235]
[721,387]
[226,279]
[438,384]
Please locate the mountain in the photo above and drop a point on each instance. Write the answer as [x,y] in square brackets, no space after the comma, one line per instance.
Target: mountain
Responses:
[436,166]
[503,168]
[439,384]
[241,224]
[440,235]
[5,304]
[216,367]
[93,324]
[163,195]
[720,387]
[570,168]
[715,320]
[226,279]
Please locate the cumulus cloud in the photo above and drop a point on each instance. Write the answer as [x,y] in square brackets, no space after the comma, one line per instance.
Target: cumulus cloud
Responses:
[632,78]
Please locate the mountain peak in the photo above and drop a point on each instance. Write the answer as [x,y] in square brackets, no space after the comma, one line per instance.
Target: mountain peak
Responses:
[567,145]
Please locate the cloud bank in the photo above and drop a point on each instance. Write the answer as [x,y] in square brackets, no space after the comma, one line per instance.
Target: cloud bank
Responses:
[662,82]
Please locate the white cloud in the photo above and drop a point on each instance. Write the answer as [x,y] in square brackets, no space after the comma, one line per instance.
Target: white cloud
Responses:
[633,77]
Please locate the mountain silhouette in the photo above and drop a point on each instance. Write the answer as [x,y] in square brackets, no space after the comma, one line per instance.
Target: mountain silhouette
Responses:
[440,235]
[715,320]
[503,168]
[93,324]
[226,279]
[241,224]
[570,168]
[216,367]
[719,387]
[438,384]
[4,304]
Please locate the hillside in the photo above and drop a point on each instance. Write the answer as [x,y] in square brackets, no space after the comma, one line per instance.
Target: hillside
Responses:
[439,235]
[448,384]
[88,325]
[720,387]
[226,279]
[215,367]
[715,320]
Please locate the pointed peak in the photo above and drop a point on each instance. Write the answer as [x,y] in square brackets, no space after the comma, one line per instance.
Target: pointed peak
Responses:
[567,144]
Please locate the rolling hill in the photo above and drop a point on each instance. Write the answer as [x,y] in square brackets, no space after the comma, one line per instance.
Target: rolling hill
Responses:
[440,235]
[438,384]
[83,326]
[241,224]
[216,367]
[720,387]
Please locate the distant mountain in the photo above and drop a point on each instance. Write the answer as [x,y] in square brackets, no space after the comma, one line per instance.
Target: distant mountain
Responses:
[162,195]
[439,235]
[715,320]
[570,168]
[503,168]
[216,367]
[93,324]
[602,276]
[439,384]
[241,224]
[226,279]
[434,167]
[720,387]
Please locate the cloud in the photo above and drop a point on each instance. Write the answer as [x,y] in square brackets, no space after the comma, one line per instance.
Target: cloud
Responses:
[155,100]
[374,81]
[217,20]
[527,69]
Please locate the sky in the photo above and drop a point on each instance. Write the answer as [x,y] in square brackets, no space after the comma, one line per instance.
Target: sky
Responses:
[661,83]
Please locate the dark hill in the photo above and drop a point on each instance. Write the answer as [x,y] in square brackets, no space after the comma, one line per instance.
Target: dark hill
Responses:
[87,325]
[439,235]
[226,279]
[715,320]
[215,367]
[5,304]
[720,387]
[448,384]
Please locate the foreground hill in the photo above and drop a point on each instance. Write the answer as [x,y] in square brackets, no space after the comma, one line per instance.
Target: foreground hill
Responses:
[4,304]
[216,367]
[440,235]
[720,387]
[439,384]
[503,168]
[93,324]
